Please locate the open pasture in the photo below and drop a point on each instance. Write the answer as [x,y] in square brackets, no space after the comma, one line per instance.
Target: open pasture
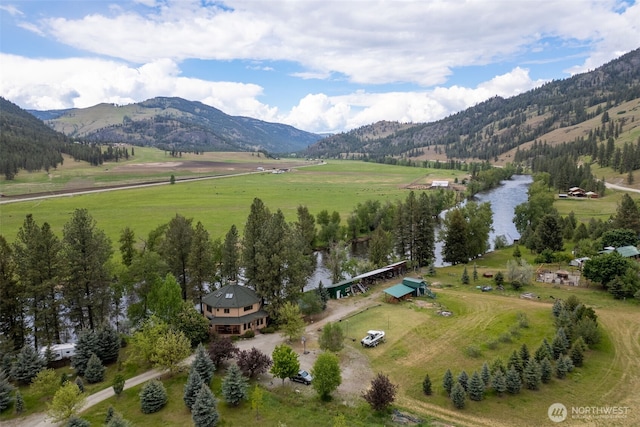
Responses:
[221,202]
[420,342]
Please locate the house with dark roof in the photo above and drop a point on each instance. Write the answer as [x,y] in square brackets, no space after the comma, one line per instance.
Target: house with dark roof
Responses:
[234,309]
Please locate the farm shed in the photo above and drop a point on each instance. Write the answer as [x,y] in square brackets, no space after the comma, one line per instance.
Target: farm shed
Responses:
[399,292]
[419,285]
[361,281]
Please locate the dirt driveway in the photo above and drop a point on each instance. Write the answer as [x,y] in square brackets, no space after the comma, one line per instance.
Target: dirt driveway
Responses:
[355,369]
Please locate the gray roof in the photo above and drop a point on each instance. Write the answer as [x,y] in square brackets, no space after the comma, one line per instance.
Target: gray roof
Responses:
[261,314]
[232,296]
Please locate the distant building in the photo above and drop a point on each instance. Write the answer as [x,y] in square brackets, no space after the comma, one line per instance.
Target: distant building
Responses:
[440,184]
[234,309]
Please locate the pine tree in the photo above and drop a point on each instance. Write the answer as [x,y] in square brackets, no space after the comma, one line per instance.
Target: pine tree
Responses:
[27,365]
[110,413]
[86,345]
[447,382]
[205,408]
[524,353]
[426,385]
[108,345]
[476,387]
[465,276]
[513,382]
[153,397]
[75,421]
[234,386]
[561,367]
[118,421]
[458,396]
[80,384]
[499,383]
[95,370]
[546,371]
[497,365]
[203,364]
[463,379]
[558,306]
[541,353]
[5,391]
[577,352]
[532,375]
[19,406]
[475,272]
[192,387]
[485,374]
[515,362]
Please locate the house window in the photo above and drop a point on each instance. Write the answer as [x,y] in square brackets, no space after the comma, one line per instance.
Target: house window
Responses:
[227,311]
[209,308]
[249,307]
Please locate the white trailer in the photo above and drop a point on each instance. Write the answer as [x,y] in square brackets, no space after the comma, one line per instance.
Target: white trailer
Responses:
[60,351]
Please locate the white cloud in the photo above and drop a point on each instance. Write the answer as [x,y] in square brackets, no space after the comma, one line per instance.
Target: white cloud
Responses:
[83,82]
[370,43]
[11,9]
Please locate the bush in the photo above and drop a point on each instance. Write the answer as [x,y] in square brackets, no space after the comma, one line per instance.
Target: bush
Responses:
[332,337]
[472,351]
[516,285]
[492,344]
[153,397]
[523,320]
[268,330]
[381,394]
[505,337]
[19,407]
[118,384]
[249,334]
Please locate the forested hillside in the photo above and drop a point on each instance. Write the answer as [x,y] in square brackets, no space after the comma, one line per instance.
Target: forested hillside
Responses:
[582,106]
[27,143]
[176,124]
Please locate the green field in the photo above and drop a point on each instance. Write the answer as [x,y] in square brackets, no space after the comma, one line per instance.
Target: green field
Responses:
[222,202]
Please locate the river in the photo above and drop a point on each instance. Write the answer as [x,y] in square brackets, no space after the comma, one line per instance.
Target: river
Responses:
[503,201]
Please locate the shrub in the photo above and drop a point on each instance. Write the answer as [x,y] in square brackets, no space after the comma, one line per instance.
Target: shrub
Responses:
[492,344]
[46,383]
[516,285]
[523,320]
[118,384]
[381,394]
[268,330]
[249,334]
[222,349]
[153,397]
[19,406]
[80,384]
[505,337]
[118,421]
[332,337]
[472,351]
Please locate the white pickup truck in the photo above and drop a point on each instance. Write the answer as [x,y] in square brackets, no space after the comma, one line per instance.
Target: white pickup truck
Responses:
[372,339]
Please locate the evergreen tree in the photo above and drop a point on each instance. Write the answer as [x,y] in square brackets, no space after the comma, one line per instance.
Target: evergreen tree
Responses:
[455,241]
[560,344]
[499,383]
[95,370]
[561,367]
[86,251]
[86,345]
[5,391]
[465,276]
[324,294]
[476,387]
[13,299]
[234,386]
[200,264]
[447,382]
[532,375]
[19,406]
[108,345]
[127,250]
[27,365]
[513,382]
[205,408]
[117,421]
[176,249]
[497,365]
[230,260]
[153,397]
[458,396]
[192,387]
[475,272]
[463,379]
[79,384]
[524,353]
[485,374]
[203,364]
[541,353]
[546,370]
[110,414]
[426,385]
[577,352]
[515,362]
[253,232]
[75,421]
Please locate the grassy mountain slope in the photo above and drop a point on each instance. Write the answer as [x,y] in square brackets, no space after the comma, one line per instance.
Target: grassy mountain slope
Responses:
[556,112]
[175,123]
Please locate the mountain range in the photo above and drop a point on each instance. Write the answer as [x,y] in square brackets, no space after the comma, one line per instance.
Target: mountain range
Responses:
[175,124]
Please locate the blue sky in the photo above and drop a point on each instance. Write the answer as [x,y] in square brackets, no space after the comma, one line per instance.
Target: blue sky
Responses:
[321,66]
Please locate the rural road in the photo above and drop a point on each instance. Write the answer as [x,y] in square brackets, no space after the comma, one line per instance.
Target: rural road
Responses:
[266,343]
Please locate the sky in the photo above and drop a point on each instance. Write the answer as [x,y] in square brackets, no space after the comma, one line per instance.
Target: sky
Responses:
[321,66]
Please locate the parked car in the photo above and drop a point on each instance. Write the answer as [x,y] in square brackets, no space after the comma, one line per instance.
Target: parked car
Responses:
[372,339]
[302,377]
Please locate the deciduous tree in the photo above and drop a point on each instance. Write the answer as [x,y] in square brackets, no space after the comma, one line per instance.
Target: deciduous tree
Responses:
[67,401]
[221,349]
[326,375]
[381,394]
[171,349]
[332,337]
[285,362]
[253,362]
[290,320]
